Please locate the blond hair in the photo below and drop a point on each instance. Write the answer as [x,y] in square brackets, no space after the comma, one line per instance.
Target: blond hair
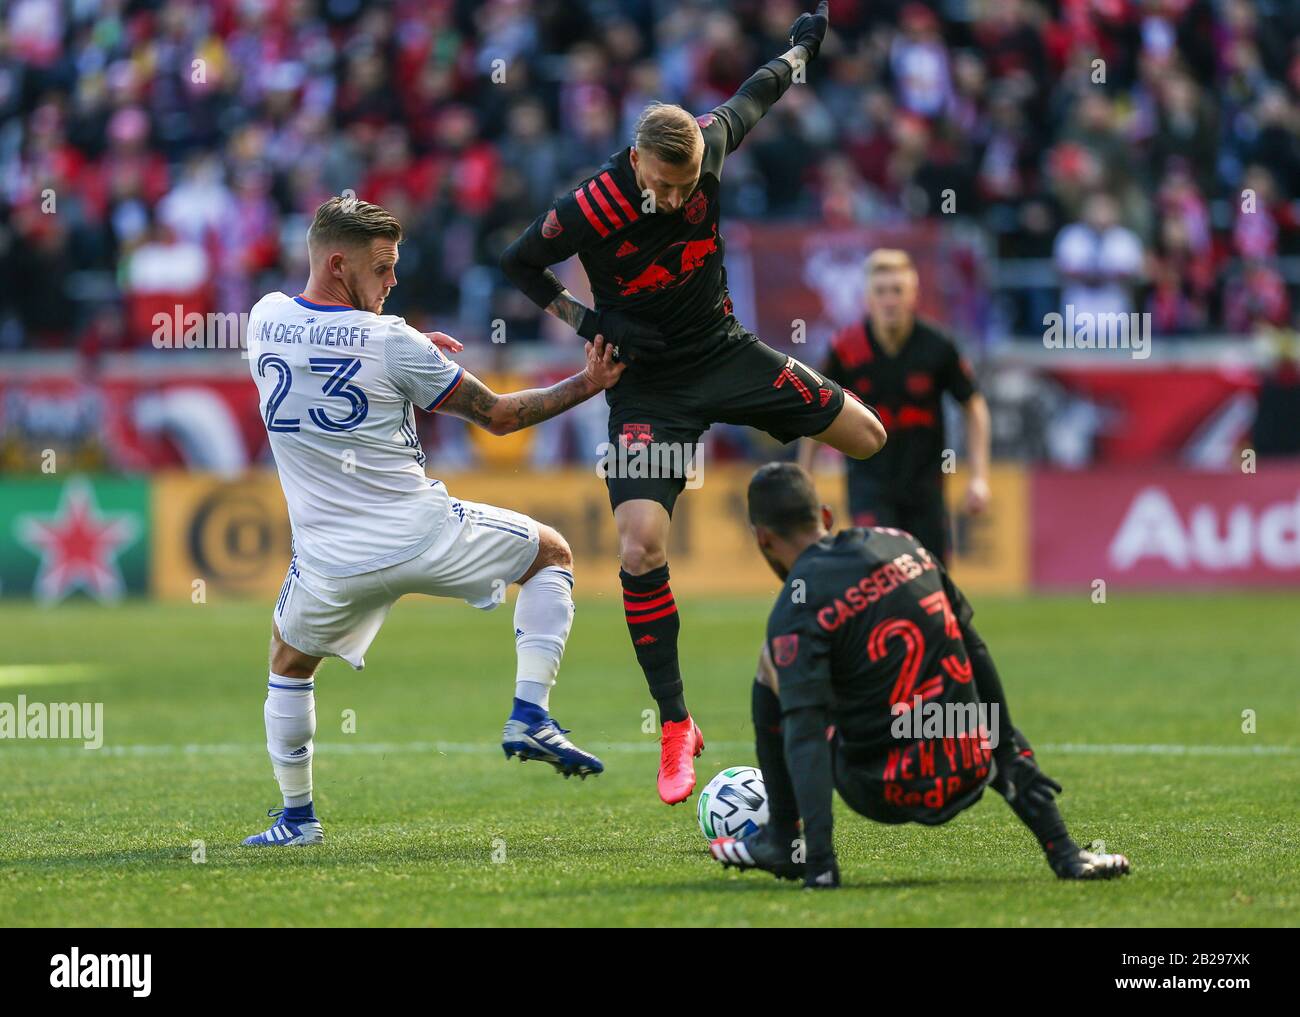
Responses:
[353,222]
[667,132]
[888,259]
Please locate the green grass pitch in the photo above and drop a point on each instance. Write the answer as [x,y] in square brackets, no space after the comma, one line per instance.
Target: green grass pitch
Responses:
[1136,706]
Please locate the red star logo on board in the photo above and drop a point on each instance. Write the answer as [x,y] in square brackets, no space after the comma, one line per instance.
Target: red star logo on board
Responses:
[78,545]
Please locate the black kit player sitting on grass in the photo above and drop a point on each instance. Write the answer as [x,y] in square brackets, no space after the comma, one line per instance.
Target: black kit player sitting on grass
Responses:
[868,627]
[645,227]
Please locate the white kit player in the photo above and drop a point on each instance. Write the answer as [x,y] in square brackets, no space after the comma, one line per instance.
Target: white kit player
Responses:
[339,383]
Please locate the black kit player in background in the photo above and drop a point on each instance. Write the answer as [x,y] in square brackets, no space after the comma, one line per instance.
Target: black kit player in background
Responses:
[903,365]
[646,228]
[876,622]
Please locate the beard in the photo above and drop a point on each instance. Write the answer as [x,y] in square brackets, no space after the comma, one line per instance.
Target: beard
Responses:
[782,573]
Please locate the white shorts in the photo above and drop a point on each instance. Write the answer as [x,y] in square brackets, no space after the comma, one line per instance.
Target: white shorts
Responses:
[479,553]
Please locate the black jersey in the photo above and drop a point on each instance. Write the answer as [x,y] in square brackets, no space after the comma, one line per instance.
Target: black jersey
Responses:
[869,629]
[666,269]
[906,390]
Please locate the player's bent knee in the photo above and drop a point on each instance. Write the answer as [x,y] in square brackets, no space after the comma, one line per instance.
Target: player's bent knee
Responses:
[552,549]
[641,556]
[865,435]
[871,435]
[288,661]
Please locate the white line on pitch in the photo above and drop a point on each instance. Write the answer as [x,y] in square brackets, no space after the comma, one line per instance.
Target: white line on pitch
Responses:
[647,746]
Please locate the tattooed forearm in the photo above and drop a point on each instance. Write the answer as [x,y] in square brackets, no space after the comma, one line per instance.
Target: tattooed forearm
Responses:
[567,309]
[502,414]
[535,405]
[472,401]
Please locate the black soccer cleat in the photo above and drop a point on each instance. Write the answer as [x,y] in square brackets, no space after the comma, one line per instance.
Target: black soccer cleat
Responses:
[1081,864]
[735,854]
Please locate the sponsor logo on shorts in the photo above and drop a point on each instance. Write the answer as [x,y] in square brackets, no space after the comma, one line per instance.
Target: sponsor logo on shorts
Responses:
[637,456]
[788,374]
[636,435]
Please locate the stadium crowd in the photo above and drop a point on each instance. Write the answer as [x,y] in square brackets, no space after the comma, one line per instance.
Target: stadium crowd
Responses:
[160,151]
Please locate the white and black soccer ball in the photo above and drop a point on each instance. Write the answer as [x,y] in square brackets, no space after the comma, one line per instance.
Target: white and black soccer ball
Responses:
[734,803]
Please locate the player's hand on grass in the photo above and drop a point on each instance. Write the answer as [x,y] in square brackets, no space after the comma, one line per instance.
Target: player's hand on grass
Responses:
[809,30]
[632,340]
[1019,778]
[769,849]
[603,370]
[445,342]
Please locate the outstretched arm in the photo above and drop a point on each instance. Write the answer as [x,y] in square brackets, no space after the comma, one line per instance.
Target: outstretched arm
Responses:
[513,411]
[762,89]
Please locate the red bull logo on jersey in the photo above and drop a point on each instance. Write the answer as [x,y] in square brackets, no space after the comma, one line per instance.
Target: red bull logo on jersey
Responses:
[696,207]
[672,267]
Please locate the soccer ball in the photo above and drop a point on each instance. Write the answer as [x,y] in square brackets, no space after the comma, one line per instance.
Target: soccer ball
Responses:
[734,804]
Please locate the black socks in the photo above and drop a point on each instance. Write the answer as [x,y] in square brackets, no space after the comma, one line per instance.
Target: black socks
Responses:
[653,624]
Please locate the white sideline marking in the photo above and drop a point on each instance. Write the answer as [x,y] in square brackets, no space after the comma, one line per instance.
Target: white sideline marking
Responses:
[647,746]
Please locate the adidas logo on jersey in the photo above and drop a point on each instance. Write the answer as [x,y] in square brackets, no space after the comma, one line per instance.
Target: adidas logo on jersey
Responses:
[626,248]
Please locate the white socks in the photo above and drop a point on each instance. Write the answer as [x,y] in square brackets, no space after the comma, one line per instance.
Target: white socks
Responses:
[290,724]
[543,618]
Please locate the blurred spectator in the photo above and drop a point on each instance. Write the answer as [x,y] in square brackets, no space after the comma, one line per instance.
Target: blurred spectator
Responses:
[162,273]
[227,122]
[1274,433]
[1099,260]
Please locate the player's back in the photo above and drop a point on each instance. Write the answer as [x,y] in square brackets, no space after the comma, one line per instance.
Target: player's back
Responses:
[337,389]
[886,612]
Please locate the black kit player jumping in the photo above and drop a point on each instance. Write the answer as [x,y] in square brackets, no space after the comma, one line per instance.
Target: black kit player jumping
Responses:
[646,228]
[873,682]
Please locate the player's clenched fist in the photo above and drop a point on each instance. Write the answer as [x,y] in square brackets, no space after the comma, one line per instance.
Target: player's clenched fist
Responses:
[602,369]
[809,30]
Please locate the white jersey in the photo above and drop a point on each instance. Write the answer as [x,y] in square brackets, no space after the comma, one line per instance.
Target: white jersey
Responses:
[338,389]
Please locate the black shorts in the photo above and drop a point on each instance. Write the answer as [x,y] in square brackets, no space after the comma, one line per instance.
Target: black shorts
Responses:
[872,504]
[929,800]
[662,412]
